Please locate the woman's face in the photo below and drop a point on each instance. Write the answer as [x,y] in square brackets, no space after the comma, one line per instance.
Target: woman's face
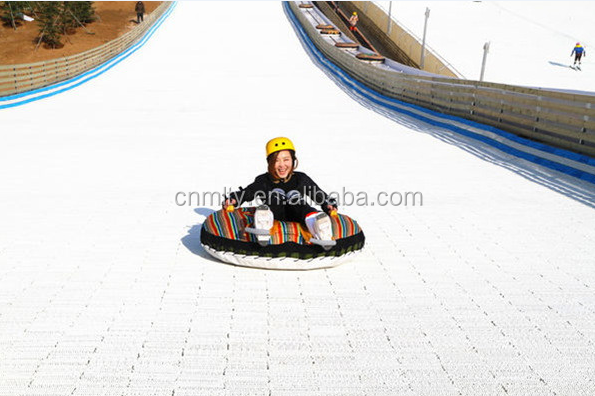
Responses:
[283,164]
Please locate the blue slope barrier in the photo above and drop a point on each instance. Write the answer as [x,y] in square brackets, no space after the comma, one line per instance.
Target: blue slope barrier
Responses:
[402,107]
[54,89]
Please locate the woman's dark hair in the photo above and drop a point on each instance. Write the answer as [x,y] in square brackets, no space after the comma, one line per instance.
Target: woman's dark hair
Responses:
[271,159]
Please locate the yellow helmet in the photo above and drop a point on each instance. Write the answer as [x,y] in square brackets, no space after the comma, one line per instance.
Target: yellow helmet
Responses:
[279,144]
[354,13]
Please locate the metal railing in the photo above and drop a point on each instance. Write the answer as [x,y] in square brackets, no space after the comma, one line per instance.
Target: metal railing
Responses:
[561,119]
[21,78]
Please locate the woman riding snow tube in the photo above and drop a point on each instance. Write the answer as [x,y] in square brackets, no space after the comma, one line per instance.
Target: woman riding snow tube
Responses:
[285,232]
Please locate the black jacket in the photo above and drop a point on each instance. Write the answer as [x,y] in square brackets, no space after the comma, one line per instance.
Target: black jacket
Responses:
[299,181]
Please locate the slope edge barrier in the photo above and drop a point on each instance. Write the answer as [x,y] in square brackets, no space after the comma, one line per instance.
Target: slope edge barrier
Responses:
[23,83]
[561,119]
[389,89]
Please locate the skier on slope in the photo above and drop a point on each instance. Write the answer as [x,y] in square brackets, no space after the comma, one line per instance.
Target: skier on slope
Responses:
[283,191]
[578,51]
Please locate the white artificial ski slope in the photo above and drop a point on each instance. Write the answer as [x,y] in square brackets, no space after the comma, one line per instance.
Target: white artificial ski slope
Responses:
[530,42]
[104,289]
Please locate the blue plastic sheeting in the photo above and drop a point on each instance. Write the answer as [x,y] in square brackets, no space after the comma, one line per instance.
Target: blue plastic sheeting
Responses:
[385,101]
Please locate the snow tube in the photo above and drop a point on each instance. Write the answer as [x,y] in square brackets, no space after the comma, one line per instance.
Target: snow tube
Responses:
[223,236]
[347,45]
[330,32]
[371,58]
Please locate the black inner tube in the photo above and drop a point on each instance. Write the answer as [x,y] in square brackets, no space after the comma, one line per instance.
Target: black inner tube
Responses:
[287,249]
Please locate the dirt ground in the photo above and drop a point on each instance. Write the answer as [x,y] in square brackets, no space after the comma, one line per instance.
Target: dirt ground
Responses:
[114,19]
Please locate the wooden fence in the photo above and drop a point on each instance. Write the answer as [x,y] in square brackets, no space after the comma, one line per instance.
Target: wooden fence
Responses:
[20,78]
[561,119]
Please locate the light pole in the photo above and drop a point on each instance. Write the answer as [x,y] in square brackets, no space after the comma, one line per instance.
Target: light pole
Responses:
[423,44]
[389,23]
[486,49]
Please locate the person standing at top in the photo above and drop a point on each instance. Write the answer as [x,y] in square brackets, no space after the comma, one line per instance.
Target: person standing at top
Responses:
[353,21]
[578,51]
[140,11]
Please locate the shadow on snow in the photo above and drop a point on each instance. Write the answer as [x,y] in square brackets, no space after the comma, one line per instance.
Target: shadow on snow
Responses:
[192,240]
